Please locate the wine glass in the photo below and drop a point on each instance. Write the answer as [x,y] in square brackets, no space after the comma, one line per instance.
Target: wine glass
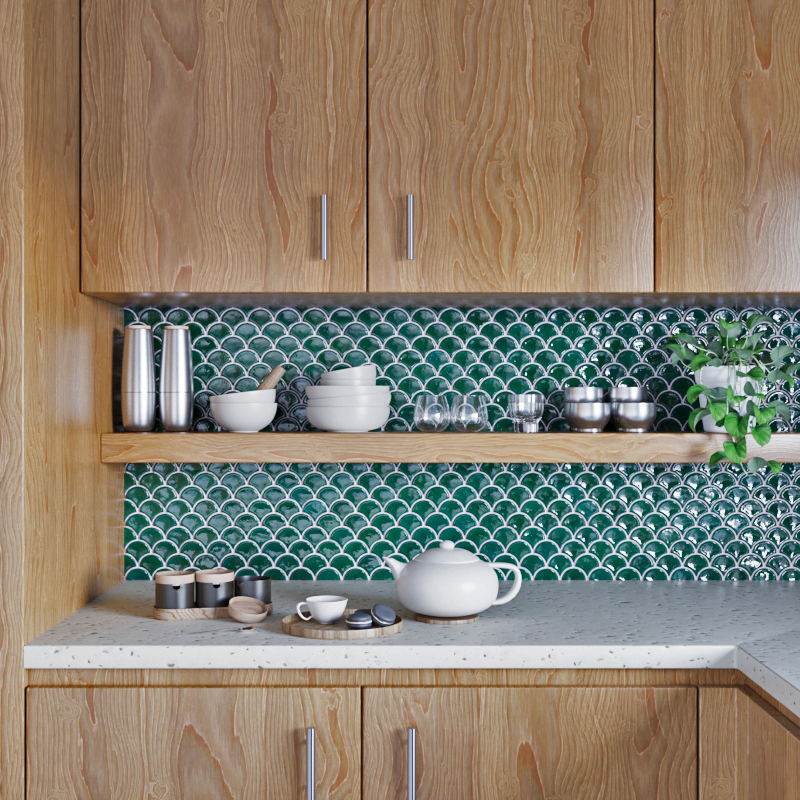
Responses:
[525,410]
[431,413]
[468,413]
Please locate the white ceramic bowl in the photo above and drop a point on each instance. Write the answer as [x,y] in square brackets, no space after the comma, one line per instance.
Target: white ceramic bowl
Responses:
[366,372]
[256,396]
[348,420]
[319,392]
[351,402]
[243,417]
[345,382]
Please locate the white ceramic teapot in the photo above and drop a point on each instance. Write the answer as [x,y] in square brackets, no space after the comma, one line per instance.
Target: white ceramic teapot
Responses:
[449,581]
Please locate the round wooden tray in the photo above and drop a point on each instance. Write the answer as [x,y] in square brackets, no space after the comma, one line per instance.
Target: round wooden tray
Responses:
[295,626]
[445,620]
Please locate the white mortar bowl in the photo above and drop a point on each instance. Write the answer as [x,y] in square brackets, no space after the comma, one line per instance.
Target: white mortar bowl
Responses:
[243,417]
[320,392]
[256,396]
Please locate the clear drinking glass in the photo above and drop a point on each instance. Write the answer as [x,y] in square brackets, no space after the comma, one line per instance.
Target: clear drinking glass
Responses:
[525,410]
[431,413]
[468,413]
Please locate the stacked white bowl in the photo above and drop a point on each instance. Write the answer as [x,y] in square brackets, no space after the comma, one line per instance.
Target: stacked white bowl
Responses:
[348,401]
[244,412]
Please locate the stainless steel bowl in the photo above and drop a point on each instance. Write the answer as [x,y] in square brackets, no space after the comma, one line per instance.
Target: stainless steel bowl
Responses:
[584,394]
[628,394]
[587,417]
[633,417]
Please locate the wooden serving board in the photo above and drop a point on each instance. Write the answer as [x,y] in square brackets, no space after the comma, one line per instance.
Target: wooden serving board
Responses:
[220,612]
[295,626]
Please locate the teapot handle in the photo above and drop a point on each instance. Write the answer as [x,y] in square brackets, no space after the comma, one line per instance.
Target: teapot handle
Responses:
[514,590]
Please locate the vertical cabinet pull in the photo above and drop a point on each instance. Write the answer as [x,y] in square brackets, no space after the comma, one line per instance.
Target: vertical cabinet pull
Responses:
[311,736]
[412,764]
[324,227]
[410,201]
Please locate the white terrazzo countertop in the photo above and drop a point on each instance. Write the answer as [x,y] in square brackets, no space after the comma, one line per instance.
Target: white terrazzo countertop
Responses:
[754,627]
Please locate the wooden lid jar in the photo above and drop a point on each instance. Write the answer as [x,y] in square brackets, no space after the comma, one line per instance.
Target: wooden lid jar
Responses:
[214,587]
[175,589]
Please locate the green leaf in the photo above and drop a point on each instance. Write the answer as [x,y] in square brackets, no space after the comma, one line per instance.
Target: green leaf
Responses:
[731,423]
[694,392]
[774,466]
[718,411]
[731,453]
[781,409]
[741,449]
[762,434]
[767,415]
[757,319]
[699,361]
[744,424]
[756,373]
[696,415]
[755,464]
[781,353]
[716,458]
[729,395]
[749,389]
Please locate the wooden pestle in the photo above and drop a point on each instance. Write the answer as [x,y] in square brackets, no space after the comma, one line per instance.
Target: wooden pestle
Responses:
[273,379]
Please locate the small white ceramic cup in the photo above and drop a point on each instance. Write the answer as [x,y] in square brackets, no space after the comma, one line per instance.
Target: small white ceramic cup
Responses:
[324,608]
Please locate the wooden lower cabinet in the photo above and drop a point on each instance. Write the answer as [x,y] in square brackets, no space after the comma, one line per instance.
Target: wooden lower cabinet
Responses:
[748,751]
[536,744]
[103,744]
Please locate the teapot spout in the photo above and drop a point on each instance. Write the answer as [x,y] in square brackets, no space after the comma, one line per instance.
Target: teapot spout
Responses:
[395,566]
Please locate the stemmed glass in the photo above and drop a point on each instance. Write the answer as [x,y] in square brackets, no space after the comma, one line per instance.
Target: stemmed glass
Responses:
[525,410]
[431,413]
[469,413]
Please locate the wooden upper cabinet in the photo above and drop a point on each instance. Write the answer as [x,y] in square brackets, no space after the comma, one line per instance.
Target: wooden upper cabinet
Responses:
[185,744]
[728,127]
[524,132]
[210,132]
[532,744]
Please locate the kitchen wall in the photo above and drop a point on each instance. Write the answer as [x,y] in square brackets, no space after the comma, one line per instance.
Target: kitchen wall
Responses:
[567,521]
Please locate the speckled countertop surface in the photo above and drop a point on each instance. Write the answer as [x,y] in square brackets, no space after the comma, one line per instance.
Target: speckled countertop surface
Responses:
[754,627]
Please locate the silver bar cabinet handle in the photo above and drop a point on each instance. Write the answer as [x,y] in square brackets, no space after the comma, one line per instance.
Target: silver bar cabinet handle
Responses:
[410,201]
[324,227]
[412,764]
[311,739]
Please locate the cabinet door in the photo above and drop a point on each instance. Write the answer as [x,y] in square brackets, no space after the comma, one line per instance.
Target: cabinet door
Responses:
[748,751]
[104,744]
[532,744]
[210,133]
[728,121]
[524,132]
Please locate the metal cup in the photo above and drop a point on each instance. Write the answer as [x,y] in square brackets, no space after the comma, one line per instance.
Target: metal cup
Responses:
[257,586]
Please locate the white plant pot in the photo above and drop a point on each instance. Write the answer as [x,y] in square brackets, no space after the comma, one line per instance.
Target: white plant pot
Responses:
[719,378]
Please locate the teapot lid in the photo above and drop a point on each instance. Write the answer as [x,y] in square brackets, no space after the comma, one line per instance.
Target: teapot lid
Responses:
[447,553]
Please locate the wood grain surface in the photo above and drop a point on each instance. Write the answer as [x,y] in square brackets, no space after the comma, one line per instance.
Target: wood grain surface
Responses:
[210,132]
[12,447]
[385,677]
[536,744]
[433,448]
[74,504]
[294,625]
[728,164]
[524,132]
[183,614]
[748,751]
[106,744]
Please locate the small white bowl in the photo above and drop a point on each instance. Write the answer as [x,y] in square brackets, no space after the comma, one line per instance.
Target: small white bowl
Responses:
[350,402]
[348,420]
[256,396]
[366,372]
[318,392]
[243,417]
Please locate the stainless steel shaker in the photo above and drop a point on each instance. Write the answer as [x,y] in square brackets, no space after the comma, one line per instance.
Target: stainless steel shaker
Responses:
[176,395]
[138,379]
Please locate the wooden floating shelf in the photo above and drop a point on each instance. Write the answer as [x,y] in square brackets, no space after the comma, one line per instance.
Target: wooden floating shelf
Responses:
[428,448]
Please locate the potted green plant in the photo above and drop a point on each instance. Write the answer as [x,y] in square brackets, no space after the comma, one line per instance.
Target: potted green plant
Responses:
[734,371]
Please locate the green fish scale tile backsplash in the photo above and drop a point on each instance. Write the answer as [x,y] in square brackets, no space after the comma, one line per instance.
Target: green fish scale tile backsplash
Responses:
[593,522]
